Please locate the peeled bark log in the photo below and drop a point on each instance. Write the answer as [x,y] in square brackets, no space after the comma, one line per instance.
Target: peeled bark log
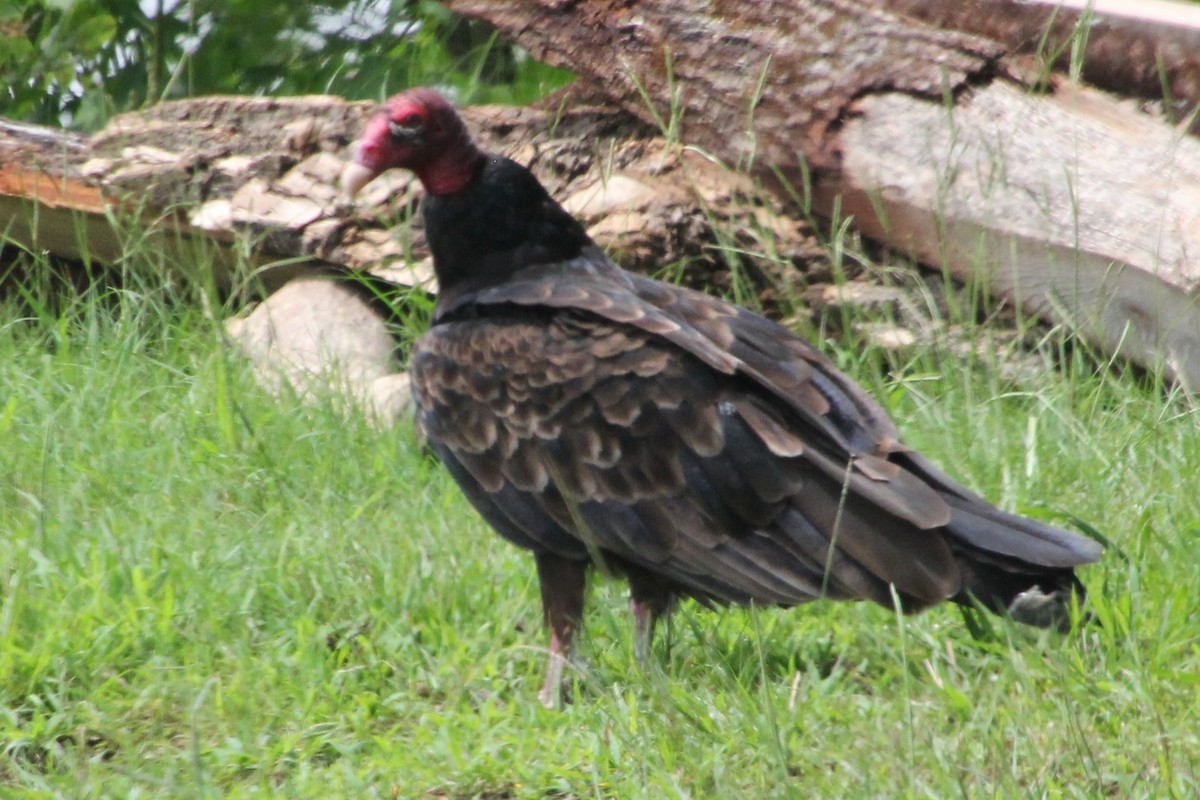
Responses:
[1087,213]
[1071,203]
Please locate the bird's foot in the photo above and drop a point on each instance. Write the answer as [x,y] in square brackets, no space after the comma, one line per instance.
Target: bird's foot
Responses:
[551,693]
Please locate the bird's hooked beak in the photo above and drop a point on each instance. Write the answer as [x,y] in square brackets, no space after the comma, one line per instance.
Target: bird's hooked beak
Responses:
[371,156]
[355,176]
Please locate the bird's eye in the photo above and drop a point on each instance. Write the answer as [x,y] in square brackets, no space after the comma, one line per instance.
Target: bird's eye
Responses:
[407,127]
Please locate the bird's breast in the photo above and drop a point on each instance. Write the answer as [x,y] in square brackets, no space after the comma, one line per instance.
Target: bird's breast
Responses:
[597,409]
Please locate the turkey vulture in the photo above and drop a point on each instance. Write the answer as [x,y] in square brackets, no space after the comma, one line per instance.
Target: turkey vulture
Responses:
[597,417]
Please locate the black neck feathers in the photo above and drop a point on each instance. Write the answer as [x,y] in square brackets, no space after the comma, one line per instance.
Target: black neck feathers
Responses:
[500,223]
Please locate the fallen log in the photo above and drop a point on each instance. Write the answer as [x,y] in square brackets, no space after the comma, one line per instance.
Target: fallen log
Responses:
[1070,201]
[252,182]
[1139,48]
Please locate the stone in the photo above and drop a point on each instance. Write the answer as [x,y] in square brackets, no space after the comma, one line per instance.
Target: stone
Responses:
[860,295]
[603,198]
[887,336]
[320,337]
[390,400]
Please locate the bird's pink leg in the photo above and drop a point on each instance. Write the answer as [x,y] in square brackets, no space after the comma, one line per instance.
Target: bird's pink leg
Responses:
[648,601]
[563,582]
[550,695]
[644,620]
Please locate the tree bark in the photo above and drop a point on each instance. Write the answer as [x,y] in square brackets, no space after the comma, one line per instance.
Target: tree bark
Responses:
[1072,203]
[252,182]
[1143,48]
[760,80]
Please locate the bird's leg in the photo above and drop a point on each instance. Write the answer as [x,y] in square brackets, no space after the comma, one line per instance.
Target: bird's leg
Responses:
[550,695]
[644,620]
[563,582]
[648,601]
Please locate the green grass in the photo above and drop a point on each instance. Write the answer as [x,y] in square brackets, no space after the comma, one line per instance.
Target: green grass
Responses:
[206,591]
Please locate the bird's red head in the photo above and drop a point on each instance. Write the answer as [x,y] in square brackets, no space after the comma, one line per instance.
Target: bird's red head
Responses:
[417,130]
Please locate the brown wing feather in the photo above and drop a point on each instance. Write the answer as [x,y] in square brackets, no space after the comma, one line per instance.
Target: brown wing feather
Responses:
[663,430]
[662,462]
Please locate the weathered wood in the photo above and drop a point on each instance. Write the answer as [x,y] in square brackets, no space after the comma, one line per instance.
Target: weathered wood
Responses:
[1083,211]
[1143,48]
[1073,204]
[86,199]
[757,80]
[258,176]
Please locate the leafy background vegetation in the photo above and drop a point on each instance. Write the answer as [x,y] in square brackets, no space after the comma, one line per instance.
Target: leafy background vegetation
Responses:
[79,62]
[208,591]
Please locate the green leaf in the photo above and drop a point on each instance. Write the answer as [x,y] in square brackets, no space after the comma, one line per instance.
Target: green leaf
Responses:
[16,52]
[94,32]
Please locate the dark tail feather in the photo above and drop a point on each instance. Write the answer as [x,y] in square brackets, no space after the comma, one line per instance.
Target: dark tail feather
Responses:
[1018,566]
[1041,599]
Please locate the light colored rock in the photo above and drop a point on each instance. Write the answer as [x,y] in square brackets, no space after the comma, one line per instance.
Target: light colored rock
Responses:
[390,400]
[318,336]
[403,272]
[887,336]
[255,202]
[148,154]
[315,178]
[618,225]
[213,216]
[236,166]
[97,167]
[618,193]
[393,186]
[860,295]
